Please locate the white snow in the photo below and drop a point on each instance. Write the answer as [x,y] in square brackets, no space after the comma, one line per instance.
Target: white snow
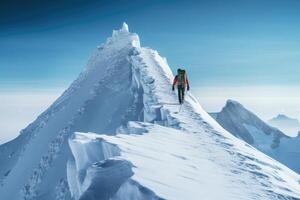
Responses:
[36,160]
[86,153]
[246,125]
[179,164]
[124,97]
[261,140]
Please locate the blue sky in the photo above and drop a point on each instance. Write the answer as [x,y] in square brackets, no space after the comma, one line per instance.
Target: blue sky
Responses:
[233,42]
[247,50]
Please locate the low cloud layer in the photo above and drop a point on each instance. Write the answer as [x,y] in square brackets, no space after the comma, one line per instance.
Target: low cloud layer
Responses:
[265,101]
[18,109]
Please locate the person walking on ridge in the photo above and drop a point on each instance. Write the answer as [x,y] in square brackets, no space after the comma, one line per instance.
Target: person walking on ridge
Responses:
[182,84]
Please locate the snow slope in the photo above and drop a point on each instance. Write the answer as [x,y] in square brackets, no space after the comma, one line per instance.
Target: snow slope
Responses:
[244,124]
[141,147]
[101,99]
[180,164]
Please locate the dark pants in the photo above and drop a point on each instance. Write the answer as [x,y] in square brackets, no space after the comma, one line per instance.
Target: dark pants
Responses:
[181,90]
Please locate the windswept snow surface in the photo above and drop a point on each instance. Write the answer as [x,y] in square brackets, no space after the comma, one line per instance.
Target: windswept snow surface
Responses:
[187,164]
[141,147]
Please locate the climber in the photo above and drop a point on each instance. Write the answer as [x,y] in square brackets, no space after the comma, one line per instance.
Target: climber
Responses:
[182,84]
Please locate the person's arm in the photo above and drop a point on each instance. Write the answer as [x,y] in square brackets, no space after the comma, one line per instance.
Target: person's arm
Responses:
[174,83]
[187,83]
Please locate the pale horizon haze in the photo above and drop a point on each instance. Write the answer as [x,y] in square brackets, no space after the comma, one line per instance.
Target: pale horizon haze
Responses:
[19,108]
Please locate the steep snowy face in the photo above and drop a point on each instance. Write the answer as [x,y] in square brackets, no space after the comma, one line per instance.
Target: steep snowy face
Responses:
[123,96]
[105,96]
[244,124]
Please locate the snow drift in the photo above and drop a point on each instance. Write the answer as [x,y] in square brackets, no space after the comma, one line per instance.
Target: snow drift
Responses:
[141,147]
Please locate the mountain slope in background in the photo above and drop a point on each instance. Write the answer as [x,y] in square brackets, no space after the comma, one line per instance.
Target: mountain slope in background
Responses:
[141,146]
[244,124]
[286,124]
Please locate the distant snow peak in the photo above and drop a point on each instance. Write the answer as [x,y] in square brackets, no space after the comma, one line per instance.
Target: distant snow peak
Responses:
[289,125]
[284,117]
[231,102]
[244,124]
[236,108]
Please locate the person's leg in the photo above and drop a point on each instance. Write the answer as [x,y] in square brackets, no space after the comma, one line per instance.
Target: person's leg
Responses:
[182,94]
[179,94]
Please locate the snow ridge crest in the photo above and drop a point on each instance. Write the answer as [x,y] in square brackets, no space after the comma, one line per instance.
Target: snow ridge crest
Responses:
[123,37]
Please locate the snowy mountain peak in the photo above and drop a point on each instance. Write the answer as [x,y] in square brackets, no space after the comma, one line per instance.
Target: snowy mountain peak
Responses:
[122,37]
[117,134]
[244,124]
[125,27]
[233,103]
[234,108]
[284,117]
[289,125]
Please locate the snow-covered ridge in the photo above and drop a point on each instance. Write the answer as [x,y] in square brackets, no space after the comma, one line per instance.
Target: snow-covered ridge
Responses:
[125,89]
[235,118]
[50,131]
[110,73]
[158,109]
[244,124]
